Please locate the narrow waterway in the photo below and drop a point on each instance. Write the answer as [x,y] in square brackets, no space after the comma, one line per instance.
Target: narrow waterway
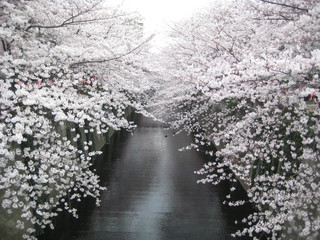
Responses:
[153,195]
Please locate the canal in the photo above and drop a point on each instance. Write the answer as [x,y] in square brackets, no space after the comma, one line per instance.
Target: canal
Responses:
[152,194]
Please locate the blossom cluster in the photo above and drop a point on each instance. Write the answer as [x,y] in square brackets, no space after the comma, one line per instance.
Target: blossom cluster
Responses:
[69,70]
[244,76]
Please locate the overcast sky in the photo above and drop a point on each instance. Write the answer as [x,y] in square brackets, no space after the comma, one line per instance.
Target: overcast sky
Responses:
[158,13]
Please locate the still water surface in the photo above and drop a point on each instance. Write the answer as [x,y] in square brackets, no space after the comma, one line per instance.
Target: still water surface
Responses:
[153,195]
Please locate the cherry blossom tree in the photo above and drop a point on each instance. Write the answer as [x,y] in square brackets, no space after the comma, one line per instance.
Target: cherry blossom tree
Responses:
[244,75]
[68,68]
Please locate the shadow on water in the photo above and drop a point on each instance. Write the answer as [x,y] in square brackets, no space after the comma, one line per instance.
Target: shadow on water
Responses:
[152,194]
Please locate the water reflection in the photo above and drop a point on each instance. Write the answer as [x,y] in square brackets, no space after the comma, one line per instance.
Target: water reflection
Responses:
[152,194]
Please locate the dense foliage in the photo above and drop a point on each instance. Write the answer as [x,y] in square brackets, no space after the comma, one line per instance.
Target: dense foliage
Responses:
[244,75]
[65,65]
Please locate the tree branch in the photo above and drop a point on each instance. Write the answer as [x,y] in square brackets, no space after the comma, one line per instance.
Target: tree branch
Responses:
[66,23]
[72,20]
[113,58]
[285,5]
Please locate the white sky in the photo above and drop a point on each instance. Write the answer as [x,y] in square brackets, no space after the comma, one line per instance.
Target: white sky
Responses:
[158,13]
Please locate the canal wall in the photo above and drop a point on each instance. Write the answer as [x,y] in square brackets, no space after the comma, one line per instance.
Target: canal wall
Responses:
[8,221]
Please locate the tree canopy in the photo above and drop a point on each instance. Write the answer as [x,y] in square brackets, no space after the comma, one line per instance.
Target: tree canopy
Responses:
[244,75]
[74,65]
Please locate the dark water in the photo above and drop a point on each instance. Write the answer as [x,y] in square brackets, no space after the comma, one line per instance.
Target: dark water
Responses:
[153,195]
